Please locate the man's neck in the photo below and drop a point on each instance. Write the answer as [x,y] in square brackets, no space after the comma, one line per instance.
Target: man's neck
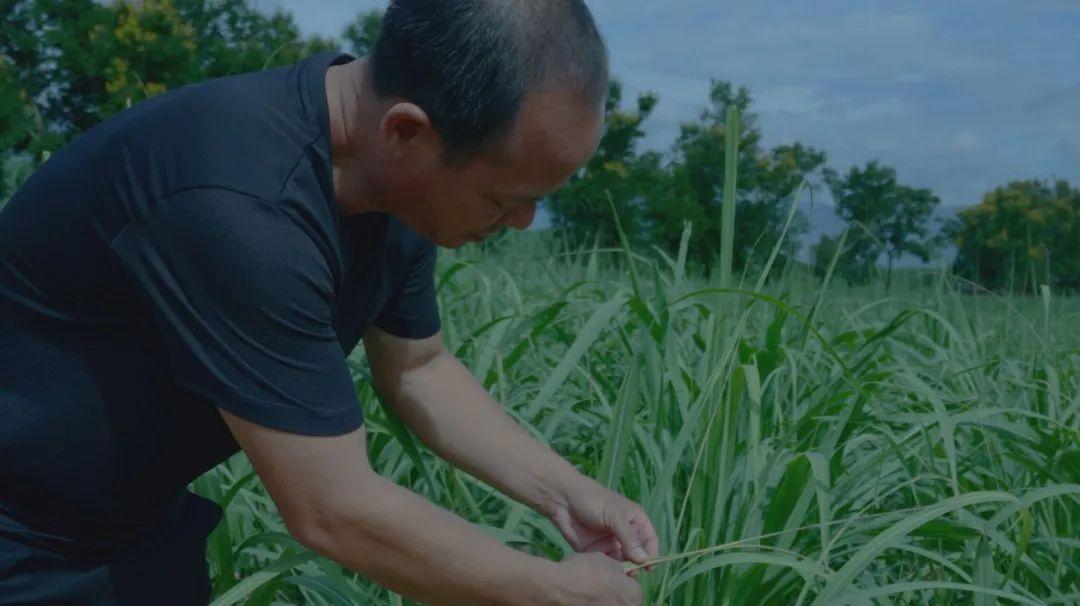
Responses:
[350,106]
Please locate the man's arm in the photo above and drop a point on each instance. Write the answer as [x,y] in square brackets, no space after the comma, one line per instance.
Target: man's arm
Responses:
[444,405]
[336,505]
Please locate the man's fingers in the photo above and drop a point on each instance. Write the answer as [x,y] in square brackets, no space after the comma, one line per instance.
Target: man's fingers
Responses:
[566,526]
[606,545]
[645,529]
[628,536]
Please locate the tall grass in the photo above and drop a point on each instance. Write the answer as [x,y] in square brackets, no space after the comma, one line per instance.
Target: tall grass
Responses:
[727,215]
[793,442]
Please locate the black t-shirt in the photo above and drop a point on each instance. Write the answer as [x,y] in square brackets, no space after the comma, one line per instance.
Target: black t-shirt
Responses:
[185,254]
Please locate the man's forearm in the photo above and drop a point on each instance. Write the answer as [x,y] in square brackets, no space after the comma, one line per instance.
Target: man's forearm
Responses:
[450,412]
[403,542]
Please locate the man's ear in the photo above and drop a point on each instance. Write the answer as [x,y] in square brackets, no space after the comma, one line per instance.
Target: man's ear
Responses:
[407,131]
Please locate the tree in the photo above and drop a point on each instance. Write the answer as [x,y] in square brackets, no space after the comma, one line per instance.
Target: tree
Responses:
[885,218]
[15,110]
[822,255]
[45,46]
[14,169]
[581,209]
[1019,236]
[766,180]
[65,65]
[361,34]
[232,37]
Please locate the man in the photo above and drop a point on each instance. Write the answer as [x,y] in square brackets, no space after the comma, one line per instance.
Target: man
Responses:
[186,279]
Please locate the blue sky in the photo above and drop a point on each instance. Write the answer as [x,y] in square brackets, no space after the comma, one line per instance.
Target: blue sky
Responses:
[958,95]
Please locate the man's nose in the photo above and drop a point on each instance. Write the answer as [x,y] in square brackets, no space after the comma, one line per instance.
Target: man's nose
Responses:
[521,219]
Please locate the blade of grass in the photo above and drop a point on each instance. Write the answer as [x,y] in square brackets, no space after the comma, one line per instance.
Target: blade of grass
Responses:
[727,219]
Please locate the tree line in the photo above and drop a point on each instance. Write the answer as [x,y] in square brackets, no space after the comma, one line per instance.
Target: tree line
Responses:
[67,64]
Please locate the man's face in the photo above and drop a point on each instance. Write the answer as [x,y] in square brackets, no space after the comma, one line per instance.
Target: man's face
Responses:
[554,135]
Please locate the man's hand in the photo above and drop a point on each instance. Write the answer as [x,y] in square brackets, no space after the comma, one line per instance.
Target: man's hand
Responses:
[595,519]
[440,401]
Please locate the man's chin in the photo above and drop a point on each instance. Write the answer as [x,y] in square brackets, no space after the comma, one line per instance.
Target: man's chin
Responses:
[467,238]
[456,241]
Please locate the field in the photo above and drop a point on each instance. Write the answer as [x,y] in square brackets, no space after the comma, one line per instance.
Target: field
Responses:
[812,443]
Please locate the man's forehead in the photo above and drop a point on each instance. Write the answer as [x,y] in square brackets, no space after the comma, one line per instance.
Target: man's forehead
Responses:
[556,127]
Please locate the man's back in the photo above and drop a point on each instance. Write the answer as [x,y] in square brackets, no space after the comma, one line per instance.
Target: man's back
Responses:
[71,307]
[186,254]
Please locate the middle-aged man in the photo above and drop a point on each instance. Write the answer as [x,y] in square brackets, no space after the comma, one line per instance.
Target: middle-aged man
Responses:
[186,279]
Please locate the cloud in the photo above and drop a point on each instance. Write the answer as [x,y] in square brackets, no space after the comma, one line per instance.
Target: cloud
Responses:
[967,141]
[791,99]
[1059,102]
[878,110]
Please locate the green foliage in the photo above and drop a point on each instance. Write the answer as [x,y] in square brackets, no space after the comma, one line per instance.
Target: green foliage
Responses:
[14,169]
[362,33]
[766,179]
[822,254]
[232,37]
[885,218]
[1021,236]
[15,114]
[48,47]
[581,209]
[657,194]
[918,449]
[65,65]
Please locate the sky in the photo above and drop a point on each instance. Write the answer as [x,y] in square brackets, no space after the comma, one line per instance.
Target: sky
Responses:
[960,96]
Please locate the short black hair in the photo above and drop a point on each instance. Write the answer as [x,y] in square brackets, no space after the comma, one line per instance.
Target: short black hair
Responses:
[470,63]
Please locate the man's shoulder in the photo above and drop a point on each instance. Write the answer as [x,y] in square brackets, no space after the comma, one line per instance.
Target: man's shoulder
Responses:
[246,132]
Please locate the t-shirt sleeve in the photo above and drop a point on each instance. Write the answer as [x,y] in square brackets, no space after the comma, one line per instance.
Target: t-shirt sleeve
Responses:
[243,297]
[413,312]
